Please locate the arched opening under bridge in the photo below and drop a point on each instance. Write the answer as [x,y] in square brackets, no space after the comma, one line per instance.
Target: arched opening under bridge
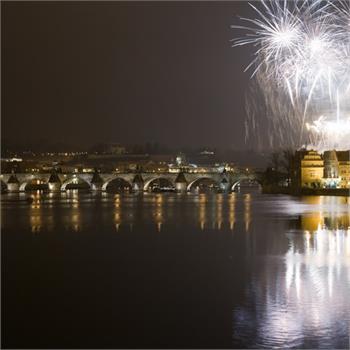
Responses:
[246,185]
[75,183]
[117,185]
[34,185]
[159,184]
[203,184]
[3,187]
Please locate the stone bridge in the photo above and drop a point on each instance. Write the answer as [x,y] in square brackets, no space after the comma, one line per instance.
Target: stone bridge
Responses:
[137,182]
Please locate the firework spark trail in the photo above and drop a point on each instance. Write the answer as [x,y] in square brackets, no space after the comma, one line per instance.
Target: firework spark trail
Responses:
[301,65]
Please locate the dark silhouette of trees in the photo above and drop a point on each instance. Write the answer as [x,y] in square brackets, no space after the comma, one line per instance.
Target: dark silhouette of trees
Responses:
[279,170]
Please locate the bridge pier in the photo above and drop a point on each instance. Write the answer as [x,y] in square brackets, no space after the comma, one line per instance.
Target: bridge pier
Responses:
[54,183]
[181,183]
[137,183]
[13,184]
[96,182]
[96,187]
[224,185]
[54,186]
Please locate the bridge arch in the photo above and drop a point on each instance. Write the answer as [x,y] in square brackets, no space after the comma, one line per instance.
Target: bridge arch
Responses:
[33,184]
[243,179]
[158,182]
[117,183]
[75,182]
[3,186]
[235,184]
[208,180]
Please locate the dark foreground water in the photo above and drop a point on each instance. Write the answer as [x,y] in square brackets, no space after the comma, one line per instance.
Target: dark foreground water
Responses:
[166,270]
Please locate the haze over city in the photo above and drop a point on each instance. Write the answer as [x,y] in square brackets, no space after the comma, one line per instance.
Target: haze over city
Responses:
[123,72]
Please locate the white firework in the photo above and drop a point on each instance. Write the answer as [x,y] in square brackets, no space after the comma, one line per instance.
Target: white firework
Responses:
[301,63]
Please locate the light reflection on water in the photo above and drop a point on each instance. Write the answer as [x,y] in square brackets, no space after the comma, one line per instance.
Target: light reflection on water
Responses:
[297,252]
[304,300]
[214,211]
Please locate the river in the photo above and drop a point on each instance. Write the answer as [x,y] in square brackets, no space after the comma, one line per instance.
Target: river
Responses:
[240,270]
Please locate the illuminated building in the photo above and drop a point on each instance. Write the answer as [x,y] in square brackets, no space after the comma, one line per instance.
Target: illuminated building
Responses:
[344,168]
[331,169]
[328,170]
[311,169]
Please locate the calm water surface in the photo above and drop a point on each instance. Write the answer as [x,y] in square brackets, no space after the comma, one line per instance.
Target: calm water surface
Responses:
[170,270]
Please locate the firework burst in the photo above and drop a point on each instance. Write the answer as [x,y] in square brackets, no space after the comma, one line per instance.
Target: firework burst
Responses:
[301,65]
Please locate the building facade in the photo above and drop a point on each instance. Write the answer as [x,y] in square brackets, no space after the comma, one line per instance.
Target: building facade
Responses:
[312,168]
[344,168]
[315,170]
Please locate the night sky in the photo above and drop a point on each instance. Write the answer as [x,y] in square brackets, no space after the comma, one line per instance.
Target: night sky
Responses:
[124,72]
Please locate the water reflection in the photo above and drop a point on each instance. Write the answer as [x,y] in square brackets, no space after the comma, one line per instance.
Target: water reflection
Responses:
[219,215]
[202,210]
[232,208]
[74,219]
[117,212]
[207,210]
[35,213]
[247,211]
[45,212]
[39,217]
[158,211]
[295,252]
[303,299]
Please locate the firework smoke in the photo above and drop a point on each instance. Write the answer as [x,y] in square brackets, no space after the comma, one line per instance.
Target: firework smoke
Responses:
[301,69]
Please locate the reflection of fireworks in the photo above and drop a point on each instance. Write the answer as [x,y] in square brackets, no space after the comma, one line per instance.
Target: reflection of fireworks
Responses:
[301,64]
[303,303]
